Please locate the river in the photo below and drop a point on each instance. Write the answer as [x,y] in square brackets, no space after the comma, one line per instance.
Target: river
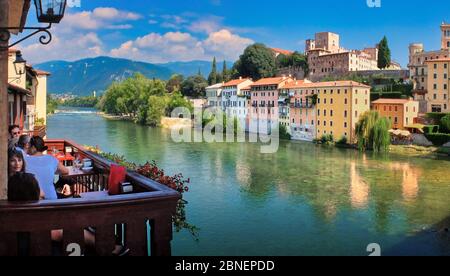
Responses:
[303,200]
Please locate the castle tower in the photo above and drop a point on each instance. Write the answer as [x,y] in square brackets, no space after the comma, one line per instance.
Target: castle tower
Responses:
[414,49]
[445,36]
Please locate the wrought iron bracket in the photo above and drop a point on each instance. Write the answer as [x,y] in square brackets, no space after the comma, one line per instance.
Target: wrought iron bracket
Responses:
[44,39]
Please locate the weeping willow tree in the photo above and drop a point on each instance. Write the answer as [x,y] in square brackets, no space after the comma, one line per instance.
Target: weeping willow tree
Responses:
[373,132]
[381,136]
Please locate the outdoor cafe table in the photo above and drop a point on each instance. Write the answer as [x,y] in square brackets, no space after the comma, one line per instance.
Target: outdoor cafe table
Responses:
[64,158]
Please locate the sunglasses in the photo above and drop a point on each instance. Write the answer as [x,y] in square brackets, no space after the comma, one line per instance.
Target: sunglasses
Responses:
[16,133]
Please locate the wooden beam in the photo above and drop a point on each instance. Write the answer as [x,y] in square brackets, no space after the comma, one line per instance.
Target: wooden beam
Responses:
[4,8]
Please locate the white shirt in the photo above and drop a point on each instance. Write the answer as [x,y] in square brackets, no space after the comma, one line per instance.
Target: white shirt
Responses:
[44,169]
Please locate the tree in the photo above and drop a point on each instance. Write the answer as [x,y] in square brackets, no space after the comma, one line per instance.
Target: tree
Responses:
[372,132]
[174,84]
[156,109]
[445,123]
[225,73]
[384,54]
[177,100]
[256,62]
[212,78]
[194,86]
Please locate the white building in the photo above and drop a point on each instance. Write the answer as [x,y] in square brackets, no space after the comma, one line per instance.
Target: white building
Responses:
[214,95]
[236,99]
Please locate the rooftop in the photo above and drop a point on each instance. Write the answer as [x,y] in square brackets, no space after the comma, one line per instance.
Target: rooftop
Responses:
[282,51]
[270,81]
[215,86]
[296,84]
[333,84]
[235,82]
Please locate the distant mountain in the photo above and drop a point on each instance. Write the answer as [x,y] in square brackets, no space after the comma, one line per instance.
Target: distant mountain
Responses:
[191,67]
[84,76]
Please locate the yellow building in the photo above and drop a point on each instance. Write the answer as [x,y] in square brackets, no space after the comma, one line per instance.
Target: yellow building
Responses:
[25,110]
[401,112]
[339,106]
[437,97]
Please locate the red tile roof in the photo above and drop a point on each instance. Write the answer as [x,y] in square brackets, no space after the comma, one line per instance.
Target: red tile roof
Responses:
[235,82]
[41,73]
[282,51]
[271,81]
[296,84]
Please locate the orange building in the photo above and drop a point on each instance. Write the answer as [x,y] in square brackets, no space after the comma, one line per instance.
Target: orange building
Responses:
[401,112]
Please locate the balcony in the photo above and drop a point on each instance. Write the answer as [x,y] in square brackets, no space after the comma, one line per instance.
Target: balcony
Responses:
[150,204]
[302,105]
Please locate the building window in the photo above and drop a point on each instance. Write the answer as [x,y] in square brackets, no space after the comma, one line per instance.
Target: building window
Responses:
[324,101]
[345,125]
[356,114]
[331,123]
[331,113]
[407,120]
[445,86]
[325,123]
[396,109]
[396,120]
[407,109]
[345,100]
[434,86]
[345,113]
[325,112]
[435,66]
[434,76]
[434,96]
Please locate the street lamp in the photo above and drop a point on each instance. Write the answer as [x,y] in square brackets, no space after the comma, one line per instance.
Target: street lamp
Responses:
[19,64]
[47,11]
[50,11]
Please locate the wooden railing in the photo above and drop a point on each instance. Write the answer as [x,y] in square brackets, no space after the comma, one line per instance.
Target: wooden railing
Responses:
[146,212]
[37,131]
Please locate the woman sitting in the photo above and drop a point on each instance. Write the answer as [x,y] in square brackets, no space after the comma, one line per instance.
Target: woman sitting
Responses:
[44,167]
[16,165]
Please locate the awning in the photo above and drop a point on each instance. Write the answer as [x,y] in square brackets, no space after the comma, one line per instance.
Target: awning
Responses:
[14,89]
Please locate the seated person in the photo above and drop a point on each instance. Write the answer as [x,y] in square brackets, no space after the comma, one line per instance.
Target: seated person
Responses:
[23,187]
[16,162]
[23,144]
[44,167]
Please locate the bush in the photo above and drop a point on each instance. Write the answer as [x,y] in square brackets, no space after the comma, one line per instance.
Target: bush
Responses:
[445,123]
[438,139]
[385,95]
[327,139]
[284,135]
[342,141]
[431,129]
[436,117]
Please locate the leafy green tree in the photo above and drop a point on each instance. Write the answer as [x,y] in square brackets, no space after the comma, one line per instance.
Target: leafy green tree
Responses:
[384,54]
[212,78]
[194,86]
[381,135]
[256,62]
[174,84]
[52,104]
[225,72]
[156,110]
[177,100]
[372,132]
[445,123]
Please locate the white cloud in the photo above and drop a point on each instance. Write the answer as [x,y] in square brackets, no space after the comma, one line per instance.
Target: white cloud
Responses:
[182,46]
[206,25]
[63,48]
[114,14]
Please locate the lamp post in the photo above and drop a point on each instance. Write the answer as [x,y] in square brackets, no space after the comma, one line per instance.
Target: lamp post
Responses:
[19,64]
[47,12]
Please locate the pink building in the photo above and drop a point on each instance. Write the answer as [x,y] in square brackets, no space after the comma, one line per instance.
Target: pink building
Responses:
[264,102]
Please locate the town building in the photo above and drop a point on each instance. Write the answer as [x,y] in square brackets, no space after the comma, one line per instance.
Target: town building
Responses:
[302,115]
[27,95]
[401,112]
[235,99]
[337,105]
[437,97]
[326,58]
[418,67]
[214,95]
[264,103]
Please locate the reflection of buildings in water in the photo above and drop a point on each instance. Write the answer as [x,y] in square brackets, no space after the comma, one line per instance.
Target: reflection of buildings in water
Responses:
[359,189]
[243,173]
[410,183]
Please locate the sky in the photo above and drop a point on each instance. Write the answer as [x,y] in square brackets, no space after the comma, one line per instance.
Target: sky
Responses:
[159,31]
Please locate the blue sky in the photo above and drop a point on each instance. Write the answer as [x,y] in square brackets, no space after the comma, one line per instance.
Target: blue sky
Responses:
[161,30]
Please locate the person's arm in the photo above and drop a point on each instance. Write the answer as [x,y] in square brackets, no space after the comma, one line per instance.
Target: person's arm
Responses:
[42,195]
[62,169]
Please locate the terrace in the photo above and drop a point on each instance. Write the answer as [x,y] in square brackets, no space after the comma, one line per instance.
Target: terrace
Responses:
[147,213]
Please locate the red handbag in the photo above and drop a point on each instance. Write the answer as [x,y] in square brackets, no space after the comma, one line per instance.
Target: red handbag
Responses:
[117,175]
